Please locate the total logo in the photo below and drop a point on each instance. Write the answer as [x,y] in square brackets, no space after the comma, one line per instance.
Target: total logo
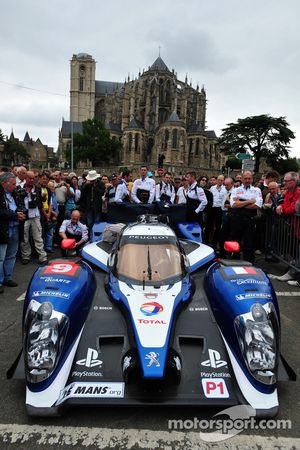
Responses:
[214,360]
[151,321]
[151,308]
[91,359]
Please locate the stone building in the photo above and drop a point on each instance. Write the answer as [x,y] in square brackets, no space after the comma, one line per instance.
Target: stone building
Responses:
[38,154]
[154,115]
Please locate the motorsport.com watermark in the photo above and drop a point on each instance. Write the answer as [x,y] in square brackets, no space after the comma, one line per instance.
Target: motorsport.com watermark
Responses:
[239,418]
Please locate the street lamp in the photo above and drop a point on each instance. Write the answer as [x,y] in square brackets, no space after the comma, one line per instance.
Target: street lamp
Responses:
[72,149]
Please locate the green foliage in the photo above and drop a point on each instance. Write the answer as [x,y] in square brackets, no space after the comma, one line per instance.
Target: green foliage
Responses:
[94,144]
[234,163]
[263,136]
[2,137]
[284,165]
[14,153]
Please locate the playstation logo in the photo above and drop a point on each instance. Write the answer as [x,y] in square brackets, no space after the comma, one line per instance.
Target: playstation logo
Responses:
[91,359]
[214,360]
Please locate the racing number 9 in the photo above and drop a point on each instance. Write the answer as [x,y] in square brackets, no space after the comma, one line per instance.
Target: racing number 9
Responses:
[61,268]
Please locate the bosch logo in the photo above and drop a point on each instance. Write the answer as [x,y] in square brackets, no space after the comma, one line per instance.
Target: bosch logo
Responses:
[151,308]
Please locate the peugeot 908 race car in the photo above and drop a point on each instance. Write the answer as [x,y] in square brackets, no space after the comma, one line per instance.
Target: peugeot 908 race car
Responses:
[128,324]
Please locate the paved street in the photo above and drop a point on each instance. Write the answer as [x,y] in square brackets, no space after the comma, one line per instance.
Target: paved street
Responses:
[133,428]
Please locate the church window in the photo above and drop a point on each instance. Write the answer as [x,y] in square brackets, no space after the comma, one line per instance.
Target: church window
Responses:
[129,141]
[81,84]
[197,147]
[190,146]
[205,153]
[175,139]
[136,143]
[167,134]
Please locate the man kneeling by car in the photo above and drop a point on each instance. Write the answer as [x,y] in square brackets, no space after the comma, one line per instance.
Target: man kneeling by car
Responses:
[74,229]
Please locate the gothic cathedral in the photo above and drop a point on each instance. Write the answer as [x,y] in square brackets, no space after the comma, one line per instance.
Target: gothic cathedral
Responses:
[156,116]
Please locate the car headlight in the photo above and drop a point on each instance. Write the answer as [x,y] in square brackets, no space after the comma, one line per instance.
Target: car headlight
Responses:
[44,333]
[258,337]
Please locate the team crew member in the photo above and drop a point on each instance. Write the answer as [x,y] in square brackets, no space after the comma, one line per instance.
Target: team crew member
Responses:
[143,189]
[111,190]
[245,201]
[165,191]
[122,192]
[196,199]
[74,229]
[214,221]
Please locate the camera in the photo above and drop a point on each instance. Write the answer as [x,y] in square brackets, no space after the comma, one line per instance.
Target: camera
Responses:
[21,194]
[32,203]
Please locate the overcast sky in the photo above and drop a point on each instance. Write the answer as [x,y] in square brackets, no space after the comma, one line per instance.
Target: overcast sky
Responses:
[246,53]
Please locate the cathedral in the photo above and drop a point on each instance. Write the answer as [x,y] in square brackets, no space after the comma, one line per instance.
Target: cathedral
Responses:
[156,116]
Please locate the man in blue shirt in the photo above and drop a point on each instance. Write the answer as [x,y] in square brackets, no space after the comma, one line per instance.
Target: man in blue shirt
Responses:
[9,229]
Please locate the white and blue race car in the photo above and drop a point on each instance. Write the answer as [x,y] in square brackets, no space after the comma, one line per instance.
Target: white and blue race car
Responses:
[129,324]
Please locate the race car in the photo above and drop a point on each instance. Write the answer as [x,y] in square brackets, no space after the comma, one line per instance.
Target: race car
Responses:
[150,319]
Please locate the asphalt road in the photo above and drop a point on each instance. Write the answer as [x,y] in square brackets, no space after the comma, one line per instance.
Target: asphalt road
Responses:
[133,428]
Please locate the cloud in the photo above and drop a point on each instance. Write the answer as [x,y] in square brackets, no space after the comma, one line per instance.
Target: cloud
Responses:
[197,49]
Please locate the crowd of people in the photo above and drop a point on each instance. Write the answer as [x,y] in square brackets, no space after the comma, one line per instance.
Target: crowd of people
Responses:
[38,209]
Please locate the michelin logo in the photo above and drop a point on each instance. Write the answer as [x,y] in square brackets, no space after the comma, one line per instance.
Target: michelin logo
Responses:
[214,360]
[254,295]
[50,294]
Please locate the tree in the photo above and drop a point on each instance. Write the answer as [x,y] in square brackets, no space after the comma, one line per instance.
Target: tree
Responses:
[263,136]
[94,144]
[234,163]
[14,153]
[2,137]
[284,165]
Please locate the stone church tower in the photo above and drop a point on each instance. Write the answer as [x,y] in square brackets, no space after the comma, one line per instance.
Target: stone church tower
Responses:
[82,90]
[154,115]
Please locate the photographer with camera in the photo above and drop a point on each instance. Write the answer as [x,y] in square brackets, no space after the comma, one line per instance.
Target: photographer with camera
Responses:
[9,229]
[32,226]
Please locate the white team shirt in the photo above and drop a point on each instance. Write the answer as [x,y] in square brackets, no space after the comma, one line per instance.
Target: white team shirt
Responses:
[147,184]
[247,194]
[121,191]
[167,189]
[181,195]
[197,194]
[219,195]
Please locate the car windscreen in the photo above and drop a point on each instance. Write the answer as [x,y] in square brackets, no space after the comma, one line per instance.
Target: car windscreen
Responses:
[149,260]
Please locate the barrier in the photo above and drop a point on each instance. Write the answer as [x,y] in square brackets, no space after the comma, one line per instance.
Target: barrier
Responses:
[283,238]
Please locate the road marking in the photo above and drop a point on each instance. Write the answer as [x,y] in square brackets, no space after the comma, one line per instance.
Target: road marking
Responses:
[103,438]
[288,294]
[21,297]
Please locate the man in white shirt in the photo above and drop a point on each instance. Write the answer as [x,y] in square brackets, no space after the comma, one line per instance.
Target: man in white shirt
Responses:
[214,221]
[165,191]
[245,201]
[21,176]
[143,189]
[196,199]
[122,192]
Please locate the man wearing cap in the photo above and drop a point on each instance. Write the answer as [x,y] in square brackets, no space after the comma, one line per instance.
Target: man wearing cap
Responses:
[91,198]
[143,189]
[111,191]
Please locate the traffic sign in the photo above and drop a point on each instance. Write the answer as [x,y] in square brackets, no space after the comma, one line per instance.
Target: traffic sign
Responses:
[248,164]
[243,156]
